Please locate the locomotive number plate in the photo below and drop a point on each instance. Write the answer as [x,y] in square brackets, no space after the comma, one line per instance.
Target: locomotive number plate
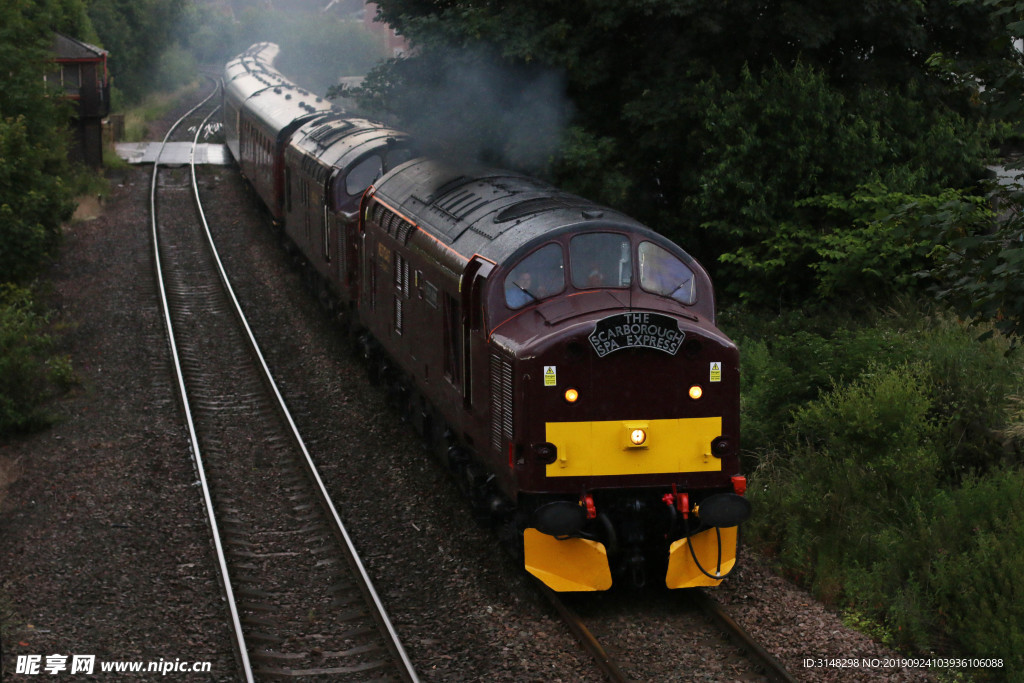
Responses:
[636,330]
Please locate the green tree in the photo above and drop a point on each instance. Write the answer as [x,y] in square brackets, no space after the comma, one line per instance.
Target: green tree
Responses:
[979,262]
[34,200]
[979,265]
[798,183]
[137,33]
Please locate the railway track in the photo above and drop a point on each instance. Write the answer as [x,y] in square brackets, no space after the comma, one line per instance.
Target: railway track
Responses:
[616,619]
[300,601]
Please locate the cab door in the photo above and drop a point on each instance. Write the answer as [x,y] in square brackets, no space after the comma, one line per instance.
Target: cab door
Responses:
[325,233]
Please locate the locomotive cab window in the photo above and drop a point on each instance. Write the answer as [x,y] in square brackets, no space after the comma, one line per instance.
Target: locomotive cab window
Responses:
[664,274]
[538,276]
[600,259]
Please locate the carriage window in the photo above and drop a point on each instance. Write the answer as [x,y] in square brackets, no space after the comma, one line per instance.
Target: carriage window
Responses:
[362,175]
[538,276]
[600,259]
[663,273]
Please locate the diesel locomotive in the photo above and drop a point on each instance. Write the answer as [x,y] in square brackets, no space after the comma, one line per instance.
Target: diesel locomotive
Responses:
[561,358]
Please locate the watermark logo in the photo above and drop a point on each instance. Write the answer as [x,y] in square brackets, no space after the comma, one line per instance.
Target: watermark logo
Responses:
[55,664]
[87,664]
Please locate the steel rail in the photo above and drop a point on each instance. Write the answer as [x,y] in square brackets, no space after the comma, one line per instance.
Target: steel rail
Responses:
[239,637]
[338,527]
[584,636]
[773,668]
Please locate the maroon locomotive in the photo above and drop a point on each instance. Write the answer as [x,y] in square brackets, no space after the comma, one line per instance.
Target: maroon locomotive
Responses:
[563,358]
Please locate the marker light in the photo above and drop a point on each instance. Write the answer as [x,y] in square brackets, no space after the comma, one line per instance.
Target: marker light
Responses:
[638,436]
[696,392]
[571,395]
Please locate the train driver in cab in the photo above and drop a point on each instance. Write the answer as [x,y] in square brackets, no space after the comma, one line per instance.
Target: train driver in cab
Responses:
[538,276]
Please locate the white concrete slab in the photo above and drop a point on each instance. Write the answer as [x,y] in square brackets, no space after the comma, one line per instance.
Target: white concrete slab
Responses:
[173,153]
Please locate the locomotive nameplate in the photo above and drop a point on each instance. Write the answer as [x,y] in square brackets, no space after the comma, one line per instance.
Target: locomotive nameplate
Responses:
[637,331]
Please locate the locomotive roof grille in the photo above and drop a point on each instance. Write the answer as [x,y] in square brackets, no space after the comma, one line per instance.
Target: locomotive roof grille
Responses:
[528,207]
[450,186]
[330,132]
[462,204]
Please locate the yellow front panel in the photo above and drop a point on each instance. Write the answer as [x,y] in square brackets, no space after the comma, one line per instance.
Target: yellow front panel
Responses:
[604,448]
[571,564]
[683,572]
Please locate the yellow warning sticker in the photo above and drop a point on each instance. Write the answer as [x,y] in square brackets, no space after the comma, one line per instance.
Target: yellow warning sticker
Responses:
[550,376]
[716,372]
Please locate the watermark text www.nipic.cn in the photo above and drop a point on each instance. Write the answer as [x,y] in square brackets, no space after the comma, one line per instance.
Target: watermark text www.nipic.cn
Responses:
[87,664]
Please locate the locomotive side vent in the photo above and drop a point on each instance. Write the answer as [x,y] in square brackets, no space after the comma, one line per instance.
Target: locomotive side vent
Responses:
[501,402]
[389,222]
[394,225]
[404,230]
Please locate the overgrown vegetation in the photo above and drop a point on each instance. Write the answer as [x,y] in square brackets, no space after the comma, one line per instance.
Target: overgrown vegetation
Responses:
[30,373]
[36,185]
[886,469]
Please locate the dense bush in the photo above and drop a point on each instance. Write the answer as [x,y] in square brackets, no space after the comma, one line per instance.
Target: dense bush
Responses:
[974,570]
[34,198]
[792,360]
[886,481]
[30,373]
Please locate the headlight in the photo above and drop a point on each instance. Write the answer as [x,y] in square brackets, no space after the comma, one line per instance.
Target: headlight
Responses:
[546,453]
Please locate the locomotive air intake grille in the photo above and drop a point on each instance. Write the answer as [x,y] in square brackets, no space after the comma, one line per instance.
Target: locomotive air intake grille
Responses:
[501,402]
